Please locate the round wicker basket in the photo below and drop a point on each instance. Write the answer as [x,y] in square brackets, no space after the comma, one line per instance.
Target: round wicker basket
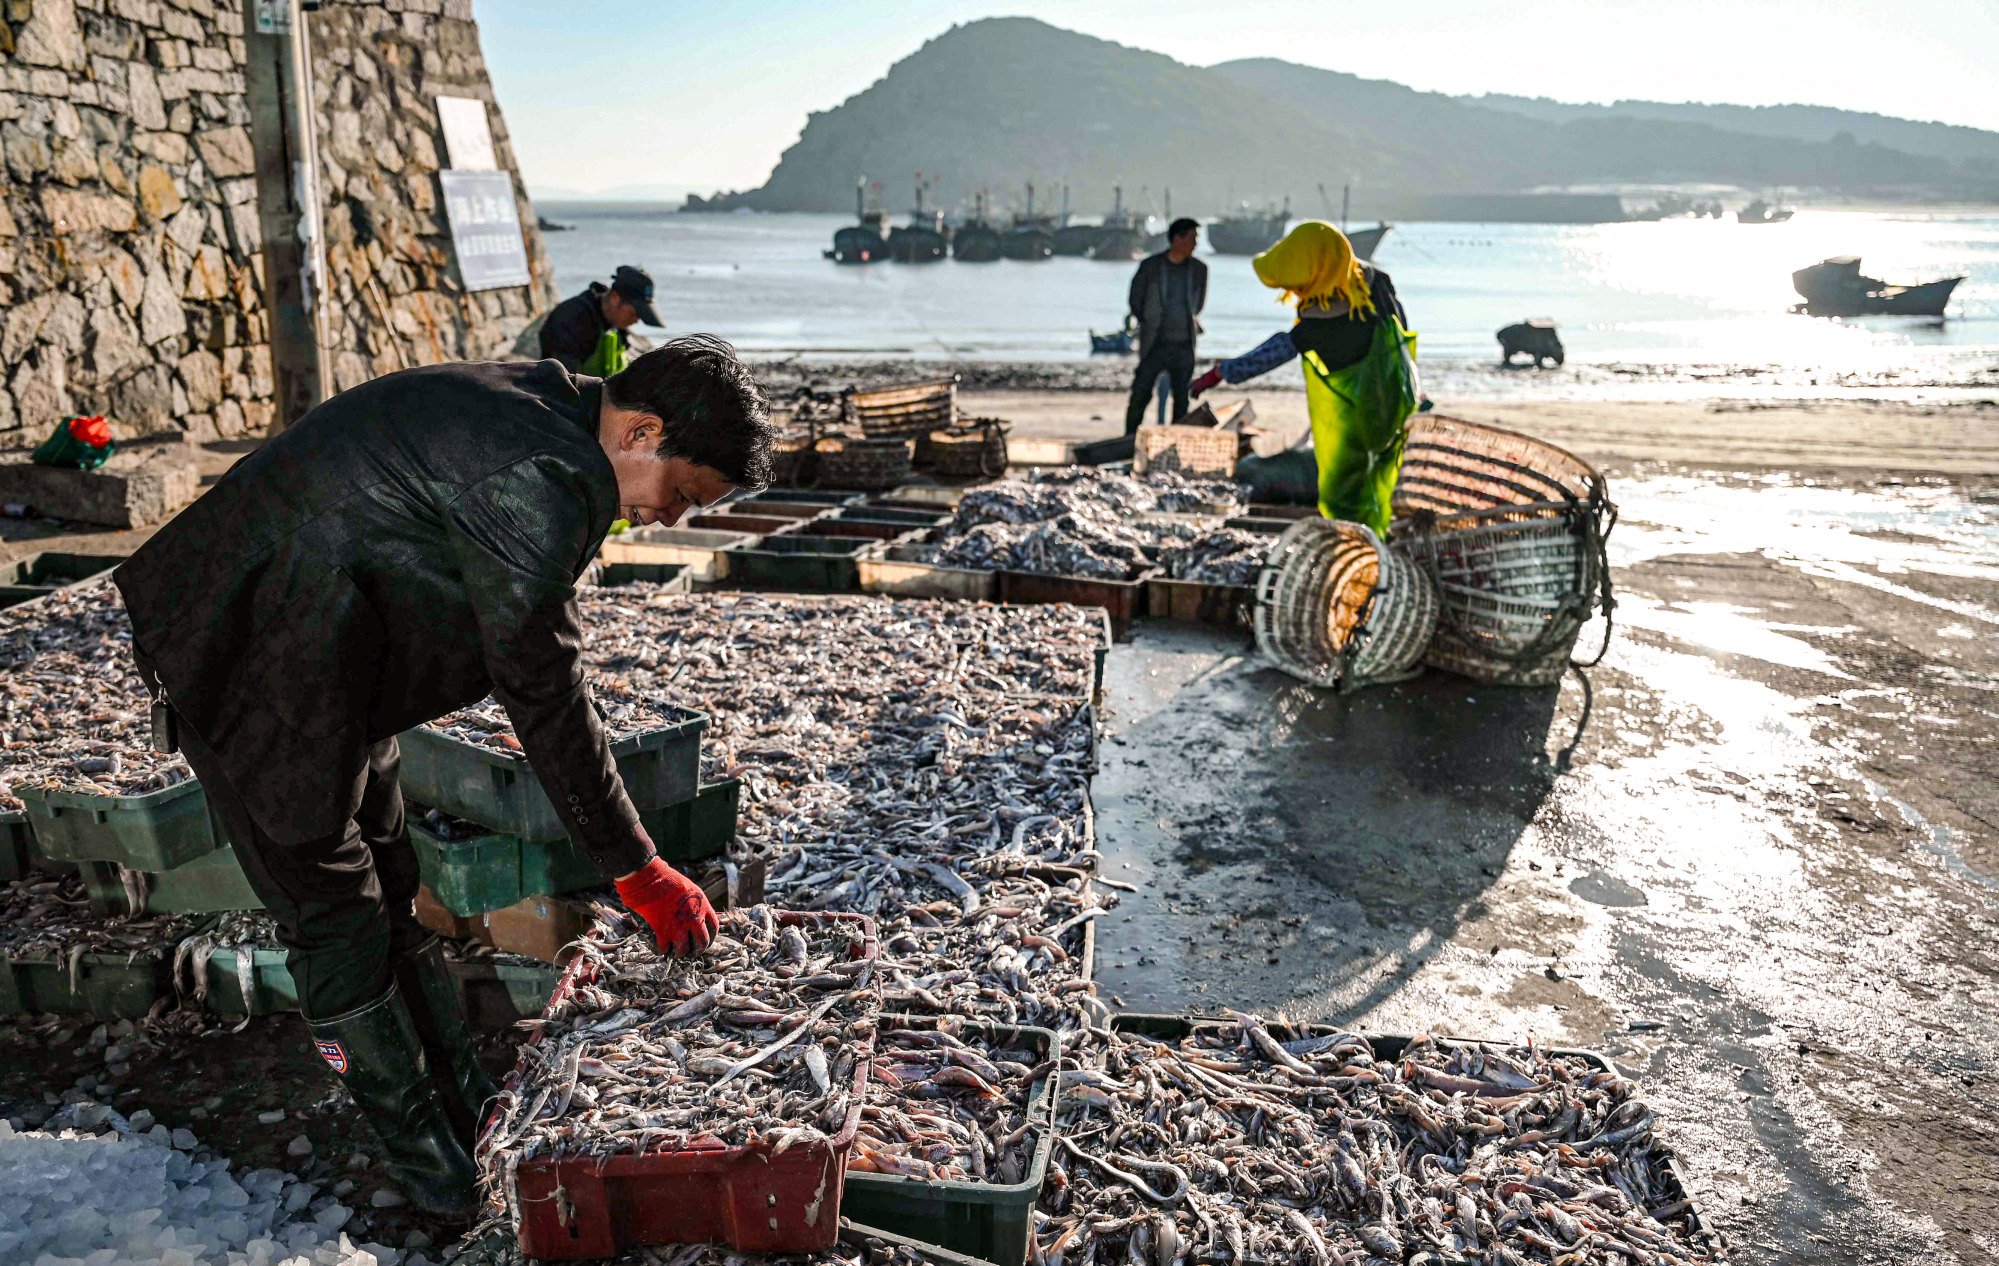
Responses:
[1512,531]
[1336,607]
[970,451]
[862,464]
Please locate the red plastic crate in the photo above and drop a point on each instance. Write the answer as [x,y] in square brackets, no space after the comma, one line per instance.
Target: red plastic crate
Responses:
[747,1197]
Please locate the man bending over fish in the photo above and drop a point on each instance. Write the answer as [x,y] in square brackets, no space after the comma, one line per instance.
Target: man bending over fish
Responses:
[401,551]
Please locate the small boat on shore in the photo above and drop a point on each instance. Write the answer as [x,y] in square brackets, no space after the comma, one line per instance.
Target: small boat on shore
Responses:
[1835,288]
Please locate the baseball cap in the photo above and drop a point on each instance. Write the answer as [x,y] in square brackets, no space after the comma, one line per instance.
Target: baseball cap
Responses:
[635,284]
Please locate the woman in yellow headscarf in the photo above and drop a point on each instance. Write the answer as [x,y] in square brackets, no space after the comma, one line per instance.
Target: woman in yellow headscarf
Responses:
[1360,366]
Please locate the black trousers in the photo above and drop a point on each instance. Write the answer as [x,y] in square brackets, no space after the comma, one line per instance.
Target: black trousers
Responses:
[1176,361]
[345,905]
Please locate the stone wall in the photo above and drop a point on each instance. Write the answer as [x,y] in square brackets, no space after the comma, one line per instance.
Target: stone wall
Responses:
[130,270]
[379,67]
[131,266]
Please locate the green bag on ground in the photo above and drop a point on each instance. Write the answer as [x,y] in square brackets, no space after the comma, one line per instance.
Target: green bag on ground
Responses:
[1360,416]
[608,358]
[77,443]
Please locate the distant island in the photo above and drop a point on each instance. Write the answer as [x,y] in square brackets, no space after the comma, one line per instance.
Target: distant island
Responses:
[994,104]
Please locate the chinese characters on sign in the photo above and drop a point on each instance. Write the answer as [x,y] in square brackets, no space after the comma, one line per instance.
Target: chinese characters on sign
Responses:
[485,228]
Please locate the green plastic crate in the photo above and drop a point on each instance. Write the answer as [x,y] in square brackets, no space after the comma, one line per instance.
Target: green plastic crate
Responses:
[211,884]
[798,563]
[111,986]
[39,575]
[499,789]
[271,988]
[155,830]
[490,872]
[17,845]
[670,577]
[498,995]
[990,1221]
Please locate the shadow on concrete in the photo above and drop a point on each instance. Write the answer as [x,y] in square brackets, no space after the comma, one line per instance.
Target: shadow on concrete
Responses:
[1298,849]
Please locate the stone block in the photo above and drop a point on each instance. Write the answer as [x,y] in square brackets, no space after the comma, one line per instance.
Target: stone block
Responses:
[75,211]
[157,193]
[51,37]
[226,151]
[141,485]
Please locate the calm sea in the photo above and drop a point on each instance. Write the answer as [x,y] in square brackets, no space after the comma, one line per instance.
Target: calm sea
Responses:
[1659,310]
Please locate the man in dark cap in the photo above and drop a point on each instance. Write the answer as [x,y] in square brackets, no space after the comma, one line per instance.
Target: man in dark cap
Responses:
[586,332]
[400,551]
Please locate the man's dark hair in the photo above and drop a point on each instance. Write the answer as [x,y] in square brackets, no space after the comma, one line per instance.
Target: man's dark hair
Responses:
[1185,224]
[710,409]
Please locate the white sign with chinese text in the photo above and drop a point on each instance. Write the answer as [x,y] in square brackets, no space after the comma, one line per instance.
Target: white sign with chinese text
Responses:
[467,138]
[485,228]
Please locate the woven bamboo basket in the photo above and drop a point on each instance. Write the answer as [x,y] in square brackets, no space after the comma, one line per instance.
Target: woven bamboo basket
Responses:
[863,464]
[1458,474]
[1194,451]
[1336,607]
[974,449]
[1515,597]
[788,460]
[1512,531]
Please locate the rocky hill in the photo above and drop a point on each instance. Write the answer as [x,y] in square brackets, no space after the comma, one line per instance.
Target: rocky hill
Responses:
[997,103]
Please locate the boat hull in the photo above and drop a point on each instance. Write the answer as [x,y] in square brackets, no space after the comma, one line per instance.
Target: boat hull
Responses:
[1926,300]
[1028,245]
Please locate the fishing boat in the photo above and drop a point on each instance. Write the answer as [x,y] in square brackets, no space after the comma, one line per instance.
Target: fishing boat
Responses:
[1122,235]
[1761,212]
[866,240]
[1835,288]
[1248,232]
[1117,343]
[1032,236]
[976,241]
[925,239]
[1075,240]
[1365,241]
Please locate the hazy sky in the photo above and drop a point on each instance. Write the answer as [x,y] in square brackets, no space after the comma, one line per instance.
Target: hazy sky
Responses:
[601,94]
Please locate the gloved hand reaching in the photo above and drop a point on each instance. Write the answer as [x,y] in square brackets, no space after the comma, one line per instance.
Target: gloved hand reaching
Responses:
[1205,381]
[672,905]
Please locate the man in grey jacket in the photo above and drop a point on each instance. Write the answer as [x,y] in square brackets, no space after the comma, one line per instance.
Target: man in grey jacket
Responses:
[1167,295]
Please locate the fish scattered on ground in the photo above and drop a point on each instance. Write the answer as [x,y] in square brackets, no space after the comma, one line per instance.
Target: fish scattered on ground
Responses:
[1240,1143]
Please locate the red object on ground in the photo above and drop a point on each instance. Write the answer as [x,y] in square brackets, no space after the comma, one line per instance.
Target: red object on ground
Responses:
[751,1198]
[94,431]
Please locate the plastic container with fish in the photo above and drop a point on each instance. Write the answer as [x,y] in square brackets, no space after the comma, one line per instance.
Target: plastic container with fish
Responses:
[152,830]
[498,789]
[1123,600]
[798,564]
[754,1197]
[992,1221]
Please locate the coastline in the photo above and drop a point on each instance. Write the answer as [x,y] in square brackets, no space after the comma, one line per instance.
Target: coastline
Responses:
[1857,434]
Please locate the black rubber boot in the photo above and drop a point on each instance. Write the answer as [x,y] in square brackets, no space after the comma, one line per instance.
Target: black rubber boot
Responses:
[439,1013]
[376,1051]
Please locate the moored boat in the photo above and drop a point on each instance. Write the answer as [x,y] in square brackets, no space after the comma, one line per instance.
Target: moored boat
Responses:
[1032,236]
[1122,235]
[925,239]
[866,240]
[1836,288]
[1248,232]
[976,241]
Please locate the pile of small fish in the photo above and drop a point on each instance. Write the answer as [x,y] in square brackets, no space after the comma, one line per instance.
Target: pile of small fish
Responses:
[1077,521]
[623,710]
[1224,556]
[74,715]
[757,1039]
[1233,1143]
[41,914]
[949,1106]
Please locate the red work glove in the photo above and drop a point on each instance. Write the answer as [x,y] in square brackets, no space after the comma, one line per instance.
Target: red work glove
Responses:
[1206,381]
[672,905]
